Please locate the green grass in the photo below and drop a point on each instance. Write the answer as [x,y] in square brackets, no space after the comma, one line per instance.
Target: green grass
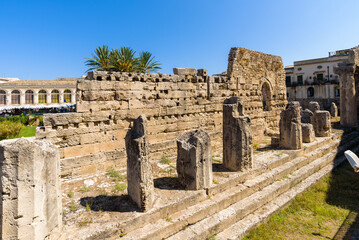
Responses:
[28,131]
[317,213]
[165,160]
[119,187]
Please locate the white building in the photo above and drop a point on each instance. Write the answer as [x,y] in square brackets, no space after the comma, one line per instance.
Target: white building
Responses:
[315,80]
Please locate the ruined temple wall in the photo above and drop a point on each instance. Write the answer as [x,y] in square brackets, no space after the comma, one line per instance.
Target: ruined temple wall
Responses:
[92,140]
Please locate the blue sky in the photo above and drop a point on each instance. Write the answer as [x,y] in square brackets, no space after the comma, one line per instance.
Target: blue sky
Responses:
[51,39]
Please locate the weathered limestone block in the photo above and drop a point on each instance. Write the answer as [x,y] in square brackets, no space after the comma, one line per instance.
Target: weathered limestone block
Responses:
[333,110]
[306,116]
[194,162]
[290,127]
[30,185]
[202,72]
[139,171]
[185,71]
[313,106]
[321,123]
[308,133]
[237,136]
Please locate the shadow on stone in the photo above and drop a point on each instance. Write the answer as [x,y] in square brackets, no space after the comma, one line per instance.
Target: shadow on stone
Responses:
[169,183]
[218,167]
[104,203]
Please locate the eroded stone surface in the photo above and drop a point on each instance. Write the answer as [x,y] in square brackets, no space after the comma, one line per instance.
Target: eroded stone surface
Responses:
[290,127]
[321,123]
[306,116]
[313,106]
[139,171]
[30,185]
[308,133]
[194,162]
[333,110]
[237,136]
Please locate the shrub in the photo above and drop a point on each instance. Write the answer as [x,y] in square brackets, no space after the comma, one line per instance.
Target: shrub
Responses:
[9,129]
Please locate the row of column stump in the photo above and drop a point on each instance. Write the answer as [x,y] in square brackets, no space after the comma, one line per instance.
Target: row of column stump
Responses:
[194,158]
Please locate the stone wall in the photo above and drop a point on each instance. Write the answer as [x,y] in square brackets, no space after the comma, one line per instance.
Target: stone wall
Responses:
[92,140]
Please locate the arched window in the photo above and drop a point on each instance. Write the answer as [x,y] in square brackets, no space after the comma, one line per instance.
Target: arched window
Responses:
[42,96]
[67,96]
[29,97]
[15,97]
[266,95]
[2,97]
[55,96]
[310,92]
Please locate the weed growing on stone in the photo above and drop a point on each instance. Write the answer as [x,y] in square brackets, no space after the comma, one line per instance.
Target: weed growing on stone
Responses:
[70,194]
[113,173]
[119,187]
[168,219]
[165,159]
[73,206]
[212,237]
[89,205]
[84,223]
[84,189]
[215,181]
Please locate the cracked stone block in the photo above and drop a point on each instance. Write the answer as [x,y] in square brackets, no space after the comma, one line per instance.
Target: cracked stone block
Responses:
[140,186]
[31,191]
[290,127]
[321,123]
[308,133]
[237,136]
[194,162]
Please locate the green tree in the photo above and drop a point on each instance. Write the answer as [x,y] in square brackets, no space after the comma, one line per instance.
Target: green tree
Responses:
[123,59]
[100,59]
[146,63]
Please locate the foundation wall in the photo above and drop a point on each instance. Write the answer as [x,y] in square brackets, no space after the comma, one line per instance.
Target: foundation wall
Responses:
[92,140]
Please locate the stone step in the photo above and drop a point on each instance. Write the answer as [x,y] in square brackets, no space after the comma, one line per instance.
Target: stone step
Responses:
[261,215]
[215,203]
[230,215]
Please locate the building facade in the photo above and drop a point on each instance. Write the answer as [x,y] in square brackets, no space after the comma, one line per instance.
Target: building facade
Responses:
[315,80]
[33,92]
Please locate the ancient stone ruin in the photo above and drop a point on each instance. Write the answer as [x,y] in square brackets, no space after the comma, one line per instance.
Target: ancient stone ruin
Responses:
[308,133]
[237,136]
[321,123]
[139,171]
[30,189]
[313,106]
[333,110]
[349,77]
[194,161]
[306,116]
[290,127]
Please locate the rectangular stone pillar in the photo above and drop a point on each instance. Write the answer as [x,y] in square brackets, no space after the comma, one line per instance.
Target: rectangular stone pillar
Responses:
[194,162]
[290,127]
[308,133]
[237,136]
[30,184]
[321,123]
[140,185]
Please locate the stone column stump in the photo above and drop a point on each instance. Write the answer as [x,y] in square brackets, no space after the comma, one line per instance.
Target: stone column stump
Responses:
[31,192]
[321,123]
[333,110]
[306,116]
[290,127]
[308,133]
[140,186]
[237,136]
[313,106]
[194,162]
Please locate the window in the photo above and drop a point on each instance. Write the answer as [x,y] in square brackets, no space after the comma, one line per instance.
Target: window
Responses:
[15,97]
[300,79]
[299,69]
[55,96]
[310,92]
[287,80]
[319,67]
[29,97]
[2,97]
[320,77]
[337,92]
[42,96]
[67,96]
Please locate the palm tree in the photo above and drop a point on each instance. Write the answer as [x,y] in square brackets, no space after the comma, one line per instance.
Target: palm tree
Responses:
[100,60]
[123,59]
[146,63]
